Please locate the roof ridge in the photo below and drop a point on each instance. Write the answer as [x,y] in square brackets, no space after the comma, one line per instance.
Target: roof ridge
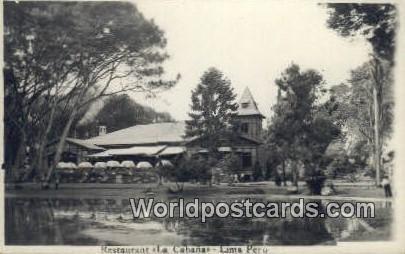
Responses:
[134,127]
[247,104]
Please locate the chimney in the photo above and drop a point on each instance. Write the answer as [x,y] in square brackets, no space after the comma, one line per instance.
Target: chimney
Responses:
[102,130]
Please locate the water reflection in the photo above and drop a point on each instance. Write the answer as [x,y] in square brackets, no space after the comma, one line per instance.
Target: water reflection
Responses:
[37,221]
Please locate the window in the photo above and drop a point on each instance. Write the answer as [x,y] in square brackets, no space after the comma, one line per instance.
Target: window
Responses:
[246,160]
[102,130]
[245,104]
[244,127]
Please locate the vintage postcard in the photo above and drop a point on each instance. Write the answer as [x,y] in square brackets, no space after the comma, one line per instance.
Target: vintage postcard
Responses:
[243,127]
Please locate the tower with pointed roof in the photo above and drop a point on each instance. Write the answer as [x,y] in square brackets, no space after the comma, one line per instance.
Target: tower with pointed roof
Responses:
[249,117]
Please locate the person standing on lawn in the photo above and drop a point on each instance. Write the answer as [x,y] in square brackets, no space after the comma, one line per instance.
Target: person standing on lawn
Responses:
[387,187]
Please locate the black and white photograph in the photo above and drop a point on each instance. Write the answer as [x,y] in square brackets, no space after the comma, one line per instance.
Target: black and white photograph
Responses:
[221,126]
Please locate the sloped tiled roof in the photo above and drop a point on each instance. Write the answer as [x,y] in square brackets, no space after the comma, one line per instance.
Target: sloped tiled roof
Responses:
[141,150]
[160,133]
[99,155]
[144,135]
[135,150]
[171,132]
[171,150]
[247,105]
[84,143]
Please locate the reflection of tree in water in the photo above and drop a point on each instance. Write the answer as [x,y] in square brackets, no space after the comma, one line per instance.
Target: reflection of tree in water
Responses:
[237,231]
[224,231]
[61,221]
[304,231]
[31,221]
[28,221]
[363,229]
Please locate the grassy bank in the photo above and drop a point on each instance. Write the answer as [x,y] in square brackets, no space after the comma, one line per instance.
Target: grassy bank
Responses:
[139,190]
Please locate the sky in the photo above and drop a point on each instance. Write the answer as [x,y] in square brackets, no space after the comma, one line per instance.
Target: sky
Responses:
[251,42]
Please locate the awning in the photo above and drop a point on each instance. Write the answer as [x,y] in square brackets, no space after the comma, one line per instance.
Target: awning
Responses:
[113,164]
[128,164]
[144,165]
[100,165]
[220,149]
[173,150]
[85,164]
[164,163]
[225,149]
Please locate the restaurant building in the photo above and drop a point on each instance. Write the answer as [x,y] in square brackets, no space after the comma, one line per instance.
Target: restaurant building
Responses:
[167,140]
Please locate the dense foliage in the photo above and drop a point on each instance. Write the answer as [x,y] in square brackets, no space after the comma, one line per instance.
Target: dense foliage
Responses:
[120,112]
[213,108]
[368,107]
[301,128]
[67,55]
[376,22]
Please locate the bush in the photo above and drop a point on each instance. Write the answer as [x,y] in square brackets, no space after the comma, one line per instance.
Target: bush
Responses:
[315,183]
[277,179]
[257,172]
[230,164]
[268,173]
[341,166]
[188,169]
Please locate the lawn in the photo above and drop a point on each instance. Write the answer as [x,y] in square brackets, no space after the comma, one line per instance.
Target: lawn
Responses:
[190,189]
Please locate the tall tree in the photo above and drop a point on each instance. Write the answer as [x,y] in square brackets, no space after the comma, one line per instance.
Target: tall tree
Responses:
[300,131]
[377,23]
[356,112]
[97,49]
[213,107]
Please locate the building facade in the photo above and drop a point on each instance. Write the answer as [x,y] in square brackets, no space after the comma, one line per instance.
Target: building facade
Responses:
[167,140]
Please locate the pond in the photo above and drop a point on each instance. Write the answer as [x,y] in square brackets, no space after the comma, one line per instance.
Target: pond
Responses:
[109,221]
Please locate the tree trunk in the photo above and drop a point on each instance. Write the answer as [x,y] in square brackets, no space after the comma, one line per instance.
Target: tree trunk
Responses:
[378,76]
[42,166]
[284,176]
[20,157]
[61,144]
[160,179]
[295,173]
[377,148]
